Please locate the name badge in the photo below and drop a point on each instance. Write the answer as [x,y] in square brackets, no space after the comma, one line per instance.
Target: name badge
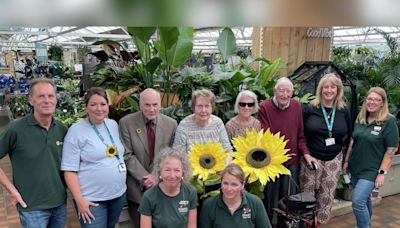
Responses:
[122,167]
[374,133]
[330,141]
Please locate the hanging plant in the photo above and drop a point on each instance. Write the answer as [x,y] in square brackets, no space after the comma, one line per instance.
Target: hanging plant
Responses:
[56,52]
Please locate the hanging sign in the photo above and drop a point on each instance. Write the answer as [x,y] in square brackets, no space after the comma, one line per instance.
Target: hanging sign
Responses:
[41,52]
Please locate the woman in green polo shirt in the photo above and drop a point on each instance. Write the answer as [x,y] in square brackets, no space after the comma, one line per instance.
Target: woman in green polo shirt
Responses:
[374,141]
[172,203]
[234,207]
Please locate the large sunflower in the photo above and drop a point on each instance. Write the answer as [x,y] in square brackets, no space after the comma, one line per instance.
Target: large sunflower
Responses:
[261,155]
[207,159]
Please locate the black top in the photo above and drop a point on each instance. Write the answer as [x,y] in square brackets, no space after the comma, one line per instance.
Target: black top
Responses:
[316,131]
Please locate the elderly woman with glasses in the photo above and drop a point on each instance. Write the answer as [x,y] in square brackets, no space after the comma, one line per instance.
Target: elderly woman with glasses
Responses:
[373,144]
[245,106]
[202,126]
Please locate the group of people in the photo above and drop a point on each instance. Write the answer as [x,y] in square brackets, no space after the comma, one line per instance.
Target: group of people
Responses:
[143,160]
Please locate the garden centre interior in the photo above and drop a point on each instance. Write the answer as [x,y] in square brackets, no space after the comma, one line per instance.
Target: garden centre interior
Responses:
[126,60]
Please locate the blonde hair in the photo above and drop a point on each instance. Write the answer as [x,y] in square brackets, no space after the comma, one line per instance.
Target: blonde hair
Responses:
[333,78]
[234,170]
[383,113]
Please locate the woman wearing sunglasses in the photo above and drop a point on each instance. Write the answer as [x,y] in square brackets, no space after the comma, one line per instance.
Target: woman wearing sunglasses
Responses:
[245,106]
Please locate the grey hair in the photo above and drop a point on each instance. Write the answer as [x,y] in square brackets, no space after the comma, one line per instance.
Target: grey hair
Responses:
[203,93]
[168,152]
[283,80]
[246,93]
[36,81]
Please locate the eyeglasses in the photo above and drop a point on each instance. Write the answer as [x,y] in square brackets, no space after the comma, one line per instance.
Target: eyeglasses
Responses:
[284,90]
[244,104]
[375,100]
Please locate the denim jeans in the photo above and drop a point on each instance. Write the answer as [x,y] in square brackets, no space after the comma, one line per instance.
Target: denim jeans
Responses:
[50,218]
[361,201]
[106,213]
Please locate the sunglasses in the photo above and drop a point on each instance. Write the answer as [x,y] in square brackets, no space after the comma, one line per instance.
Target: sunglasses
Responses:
[244,104]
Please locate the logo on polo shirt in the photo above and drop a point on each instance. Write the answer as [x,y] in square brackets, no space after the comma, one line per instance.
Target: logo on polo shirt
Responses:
[59,143]
[183,206]
[246,213]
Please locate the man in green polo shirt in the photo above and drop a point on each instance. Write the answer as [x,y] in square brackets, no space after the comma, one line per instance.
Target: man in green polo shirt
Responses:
[34,145]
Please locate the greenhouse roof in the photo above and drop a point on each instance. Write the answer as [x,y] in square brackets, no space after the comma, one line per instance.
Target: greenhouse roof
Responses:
[24,38]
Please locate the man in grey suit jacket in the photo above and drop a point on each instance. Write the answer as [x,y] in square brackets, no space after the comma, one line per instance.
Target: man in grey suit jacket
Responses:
[138,158]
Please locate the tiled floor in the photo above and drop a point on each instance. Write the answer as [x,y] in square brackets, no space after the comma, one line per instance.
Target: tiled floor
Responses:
[386,214]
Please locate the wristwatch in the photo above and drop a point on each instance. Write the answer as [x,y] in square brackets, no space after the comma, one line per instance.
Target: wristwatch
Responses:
[381,171]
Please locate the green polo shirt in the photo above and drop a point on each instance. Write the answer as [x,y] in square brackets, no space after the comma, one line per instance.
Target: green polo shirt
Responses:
[35,155]
[167,211]
[369,147]
[251,213]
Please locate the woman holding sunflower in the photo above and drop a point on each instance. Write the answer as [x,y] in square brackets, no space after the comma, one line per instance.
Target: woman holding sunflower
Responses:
[233,207]
[328,127]
[93,164]
[245,106]
[201,126]
[172,203]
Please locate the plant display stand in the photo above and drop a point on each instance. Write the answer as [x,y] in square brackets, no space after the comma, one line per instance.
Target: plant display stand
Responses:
[392,179]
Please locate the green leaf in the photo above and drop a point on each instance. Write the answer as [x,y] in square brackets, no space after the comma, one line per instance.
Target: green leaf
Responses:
[182,49]
[226,43]
[268,72]
[168,37]
[141,37]
[142,33]
[152,65]
[132,102]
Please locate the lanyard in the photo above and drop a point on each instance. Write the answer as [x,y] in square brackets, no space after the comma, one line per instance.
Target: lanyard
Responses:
[329,125]
[101,137]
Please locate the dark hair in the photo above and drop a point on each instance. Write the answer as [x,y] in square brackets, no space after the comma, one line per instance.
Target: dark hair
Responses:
[36,81]
[95,91]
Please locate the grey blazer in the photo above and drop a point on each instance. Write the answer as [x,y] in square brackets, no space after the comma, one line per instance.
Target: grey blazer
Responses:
[133,133]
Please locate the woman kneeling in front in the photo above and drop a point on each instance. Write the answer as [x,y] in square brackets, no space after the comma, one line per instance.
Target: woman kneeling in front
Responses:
[172,203]
[234,207]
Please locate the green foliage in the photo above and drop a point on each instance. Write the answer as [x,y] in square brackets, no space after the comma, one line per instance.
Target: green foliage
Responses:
[226,44]
[56,52]
[19,105]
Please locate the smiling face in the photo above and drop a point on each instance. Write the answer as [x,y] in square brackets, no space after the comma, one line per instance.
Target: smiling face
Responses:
[43,99]
[246,106]
[329,92]
[283,93]
[97,109]
[202,109]
[171,172]
[374,102]
[231,187]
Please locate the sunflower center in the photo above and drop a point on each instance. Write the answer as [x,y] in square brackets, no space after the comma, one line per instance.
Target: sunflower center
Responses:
[258,158]
[207,161]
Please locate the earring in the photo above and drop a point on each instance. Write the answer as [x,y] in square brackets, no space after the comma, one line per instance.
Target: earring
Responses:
[181,178]
[160,178]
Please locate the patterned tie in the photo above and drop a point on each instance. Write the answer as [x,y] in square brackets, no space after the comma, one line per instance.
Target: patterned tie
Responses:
[150,139]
